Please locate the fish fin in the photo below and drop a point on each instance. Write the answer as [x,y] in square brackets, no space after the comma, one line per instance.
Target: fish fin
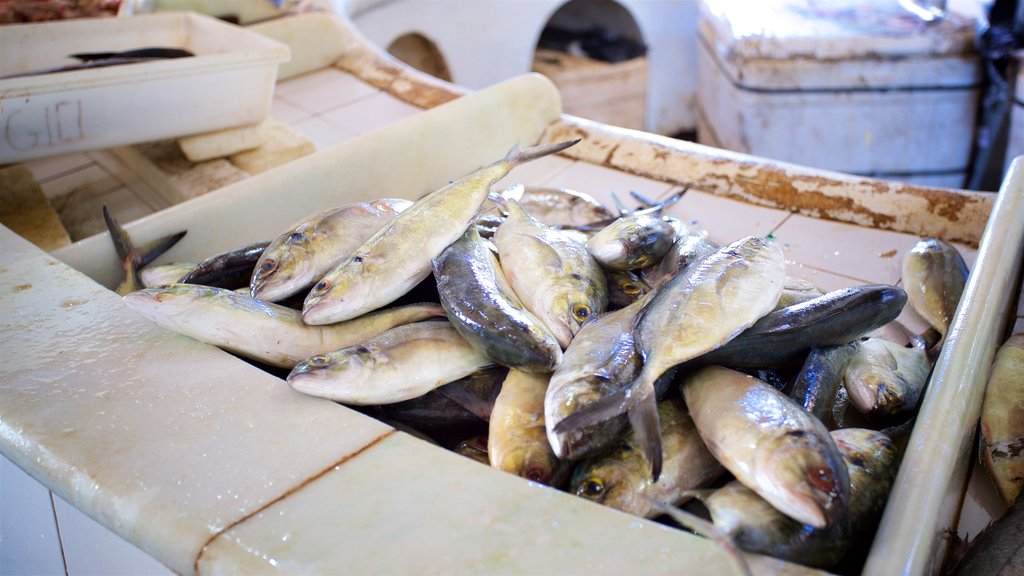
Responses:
[647,431]
[458,393]
[541,248]
[647,202]
[707,530]
[513,192]
[623,211]
[608,407]
[127,253]
[154,249]
[517,156]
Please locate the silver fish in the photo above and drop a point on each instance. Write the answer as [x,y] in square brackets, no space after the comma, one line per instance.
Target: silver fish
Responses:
[770,444]
[154,276]
[885,380]
[553,275]
[398,256]
[400,364]
[296,259]
[633,241]
[260,330]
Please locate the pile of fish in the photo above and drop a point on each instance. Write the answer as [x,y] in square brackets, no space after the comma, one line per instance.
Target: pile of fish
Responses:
[619,355]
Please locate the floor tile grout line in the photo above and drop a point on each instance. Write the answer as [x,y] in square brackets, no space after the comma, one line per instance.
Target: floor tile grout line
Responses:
[779,225]
[556,174]
[67,172]
[286,494]
[60,537]
[337,107]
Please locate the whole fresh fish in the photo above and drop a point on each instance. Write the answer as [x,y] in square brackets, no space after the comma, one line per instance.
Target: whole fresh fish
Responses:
[561,207]
[230,269]
[398,256]
[624,288]
[756,526]
[601,359]
[396,365]
[134,258]
[690,246]
[163,274]
[839,317]
[485,310]
[621,478]
[516,440]
[821,378]
[795,291]
[295,260]
[260,330]
[770,444]
[553,275]
[632,241]
[934,275]
[885,380]
[697,311]
[1002,420]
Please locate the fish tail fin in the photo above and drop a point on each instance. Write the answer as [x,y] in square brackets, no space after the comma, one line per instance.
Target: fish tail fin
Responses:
[707,530]
[619,402]
[517,156]
[127,253]
[647,431]
[154,249]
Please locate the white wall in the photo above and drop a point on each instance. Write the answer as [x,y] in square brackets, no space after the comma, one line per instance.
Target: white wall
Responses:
[486,41]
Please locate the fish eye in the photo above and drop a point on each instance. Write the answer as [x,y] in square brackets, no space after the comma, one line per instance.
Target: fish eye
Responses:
[322,285]
[296,237]
[591,488]
[581,312]
[535,474]
[822,479]
[630,288]
[319,360]
[268,265]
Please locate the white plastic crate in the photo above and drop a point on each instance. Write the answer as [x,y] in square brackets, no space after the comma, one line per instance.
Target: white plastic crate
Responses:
[229,82]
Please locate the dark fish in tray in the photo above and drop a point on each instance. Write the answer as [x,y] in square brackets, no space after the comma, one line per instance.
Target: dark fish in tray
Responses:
[485,310]
[457,408]
[821,378]
[839,317]
[230,270]
[105,59]
[134,258]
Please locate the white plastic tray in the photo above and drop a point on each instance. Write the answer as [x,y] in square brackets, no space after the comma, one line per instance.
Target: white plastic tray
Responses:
[228,83]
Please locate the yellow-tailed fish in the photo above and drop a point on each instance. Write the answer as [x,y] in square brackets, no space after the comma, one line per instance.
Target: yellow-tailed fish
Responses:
[934,275]
[621,478]
[885,380]
[397,257]
[260,330]
[516,441]
[295,260]
[134,258]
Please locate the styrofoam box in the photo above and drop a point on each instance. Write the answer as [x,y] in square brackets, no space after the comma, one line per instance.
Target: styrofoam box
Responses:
[859,86]
[229,82]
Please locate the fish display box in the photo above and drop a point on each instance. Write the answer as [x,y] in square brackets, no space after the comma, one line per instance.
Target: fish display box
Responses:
[212,465]
[858,86]
[610,92]
[228,82]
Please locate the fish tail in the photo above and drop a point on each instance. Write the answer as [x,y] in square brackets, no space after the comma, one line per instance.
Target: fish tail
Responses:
[618,402]
[154,249]
[647,431]
[127,253]
[517,156]
[502,199]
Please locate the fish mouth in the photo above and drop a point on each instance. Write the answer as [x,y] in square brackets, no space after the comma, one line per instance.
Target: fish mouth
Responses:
[863,396]
[805,509]
[307,379]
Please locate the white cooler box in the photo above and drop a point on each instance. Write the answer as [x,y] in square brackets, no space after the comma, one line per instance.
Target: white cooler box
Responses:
[859,86]
[229,82]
